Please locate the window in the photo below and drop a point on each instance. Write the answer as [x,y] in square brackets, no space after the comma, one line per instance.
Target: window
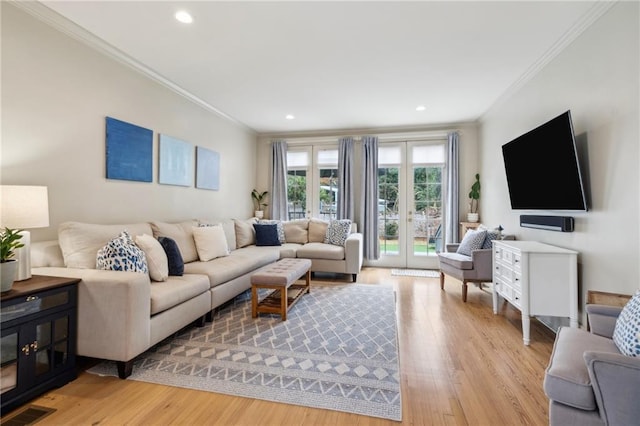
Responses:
[327,161]
[297,166]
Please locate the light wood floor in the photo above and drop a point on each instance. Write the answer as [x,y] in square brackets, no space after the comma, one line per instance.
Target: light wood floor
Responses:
[460,365]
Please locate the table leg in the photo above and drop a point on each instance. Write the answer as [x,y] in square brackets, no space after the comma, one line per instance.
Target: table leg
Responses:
[254,302]
[284,302]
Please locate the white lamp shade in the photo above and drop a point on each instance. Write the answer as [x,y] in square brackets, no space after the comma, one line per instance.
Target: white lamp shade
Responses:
[24,207]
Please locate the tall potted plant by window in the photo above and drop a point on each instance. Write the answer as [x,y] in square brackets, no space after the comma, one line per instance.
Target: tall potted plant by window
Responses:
[258,199]
[9,243]
[474,196]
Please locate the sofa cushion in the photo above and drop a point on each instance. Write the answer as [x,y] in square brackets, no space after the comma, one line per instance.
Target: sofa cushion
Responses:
[238,263]
[337,232]
[210,242]
[289,250]
[174,258]
[317,230]
[121,254]
[457,260]
[266,234]
[471,241]
[80,242]
[167,294]
[245,234]
[296,231]
[156,257]
[567,378]
[182,234]
[321,251]
[626,334]
[279,228]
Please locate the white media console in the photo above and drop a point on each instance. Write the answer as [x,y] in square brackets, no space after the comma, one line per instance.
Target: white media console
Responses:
[538,279]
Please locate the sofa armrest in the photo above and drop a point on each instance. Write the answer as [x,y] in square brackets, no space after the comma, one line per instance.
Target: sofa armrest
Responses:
[615,379]
[114,311]
[353,253]
[602,319]
[482,262]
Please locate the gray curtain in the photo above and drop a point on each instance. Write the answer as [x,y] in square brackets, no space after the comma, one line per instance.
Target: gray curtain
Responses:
[369,200]
[279,208]
[453,190]
[346,202]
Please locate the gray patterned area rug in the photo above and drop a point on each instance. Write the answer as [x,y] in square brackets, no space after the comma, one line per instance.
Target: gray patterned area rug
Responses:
[337,350]
[423,273]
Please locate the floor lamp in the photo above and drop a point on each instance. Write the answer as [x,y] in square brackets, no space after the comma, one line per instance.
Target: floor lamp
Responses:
[24,207]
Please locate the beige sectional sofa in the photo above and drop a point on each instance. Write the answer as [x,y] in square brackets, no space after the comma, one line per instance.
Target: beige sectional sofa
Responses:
[122,314]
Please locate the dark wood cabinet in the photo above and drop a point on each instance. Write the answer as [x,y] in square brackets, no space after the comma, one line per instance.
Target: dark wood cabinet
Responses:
[38,338]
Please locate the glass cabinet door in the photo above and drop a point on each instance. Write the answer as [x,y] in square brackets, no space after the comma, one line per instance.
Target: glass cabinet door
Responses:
[9,361]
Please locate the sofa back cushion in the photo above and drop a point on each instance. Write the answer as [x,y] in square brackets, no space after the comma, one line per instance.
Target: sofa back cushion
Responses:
[317,230]
[296,231]
[80,242]
[245,234]
[182,234]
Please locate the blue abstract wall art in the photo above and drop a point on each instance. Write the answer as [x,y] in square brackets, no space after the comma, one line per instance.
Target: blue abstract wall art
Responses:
[176,162]
[207,169]
[129,151]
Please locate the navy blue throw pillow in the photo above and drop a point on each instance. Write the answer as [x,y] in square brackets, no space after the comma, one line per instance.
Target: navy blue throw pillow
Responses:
[266,235]
[176,264]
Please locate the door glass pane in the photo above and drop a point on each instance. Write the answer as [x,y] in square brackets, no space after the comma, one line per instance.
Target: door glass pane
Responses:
[61,353]
[328,193]
[42,361]
[297,193]
[9,364]
[297,158]
[388,218]
[427,204]
[61,328]
[428,154]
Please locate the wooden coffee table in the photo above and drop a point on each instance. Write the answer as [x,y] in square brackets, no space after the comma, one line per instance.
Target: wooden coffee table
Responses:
[281,278]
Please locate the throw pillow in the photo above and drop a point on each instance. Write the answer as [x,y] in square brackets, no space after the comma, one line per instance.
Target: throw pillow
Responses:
[156,257]
[245,234]
[337,232]
[279,227]
[121,254]
[317,230]
[210,242]
[626,334]
[491,235]
[182,234]
[472,240]
[266,235]
[174,257]
[296,231]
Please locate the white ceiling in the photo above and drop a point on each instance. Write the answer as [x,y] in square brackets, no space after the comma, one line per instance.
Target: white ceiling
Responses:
[339,65]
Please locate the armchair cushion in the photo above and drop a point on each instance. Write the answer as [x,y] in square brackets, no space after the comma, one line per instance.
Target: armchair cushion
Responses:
[602,319]
[626,334]
[472,240]
[458,261]
[567,377]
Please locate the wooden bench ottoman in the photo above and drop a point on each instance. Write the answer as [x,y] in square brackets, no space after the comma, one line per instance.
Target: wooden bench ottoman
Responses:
[280,277]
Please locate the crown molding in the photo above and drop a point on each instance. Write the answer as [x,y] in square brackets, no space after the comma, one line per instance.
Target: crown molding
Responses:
[599,8]
[64,25]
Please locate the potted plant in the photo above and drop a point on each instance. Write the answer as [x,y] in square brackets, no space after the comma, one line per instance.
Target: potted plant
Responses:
[258,199]
[9,243]
[474,196]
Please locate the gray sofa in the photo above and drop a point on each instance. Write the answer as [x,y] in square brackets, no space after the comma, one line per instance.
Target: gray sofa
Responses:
[122,314]
[588,381]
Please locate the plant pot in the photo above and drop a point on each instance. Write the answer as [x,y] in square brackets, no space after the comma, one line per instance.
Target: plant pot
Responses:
[473,217]
[259,214]
[8,272]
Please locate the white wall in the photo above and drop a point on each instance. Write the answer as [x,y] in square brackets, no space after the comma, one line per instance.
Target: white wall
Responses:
[56,92]
[597,78]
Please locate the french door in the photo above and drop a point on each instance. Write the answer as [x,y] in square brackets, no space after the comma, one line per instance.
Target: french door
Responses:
[410,205]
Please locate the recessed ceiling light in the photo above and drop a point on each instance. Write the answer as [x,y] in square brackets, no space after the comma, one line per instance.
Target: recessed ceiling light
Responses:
[184,17]
[289,117]
[420,108]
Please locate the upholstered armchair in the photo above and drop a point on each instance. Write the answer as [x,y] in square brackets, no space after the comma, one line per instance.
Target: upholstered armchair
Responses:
[475,268]
[588,380]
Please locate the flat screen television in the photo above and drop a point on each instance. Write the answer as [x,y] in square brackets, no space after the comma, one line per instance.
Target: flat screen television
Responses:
[542,168]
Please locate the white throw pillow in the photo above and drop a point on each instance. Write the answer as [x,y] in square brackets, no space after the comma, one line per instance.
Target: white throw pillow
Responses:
[472,240]
[156,257]
[210,242]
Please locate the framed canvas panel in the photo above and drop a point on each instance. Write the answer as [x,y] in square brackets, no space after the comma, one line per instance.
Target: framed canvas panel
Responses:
[175,162]
[207,169]
[129,151]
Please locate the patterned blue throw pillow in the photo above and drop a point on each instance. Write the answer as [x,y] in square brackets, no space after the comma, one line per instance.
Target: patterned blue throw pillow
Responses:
[472,240]
[337,232]
[122,254]
[626,334]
